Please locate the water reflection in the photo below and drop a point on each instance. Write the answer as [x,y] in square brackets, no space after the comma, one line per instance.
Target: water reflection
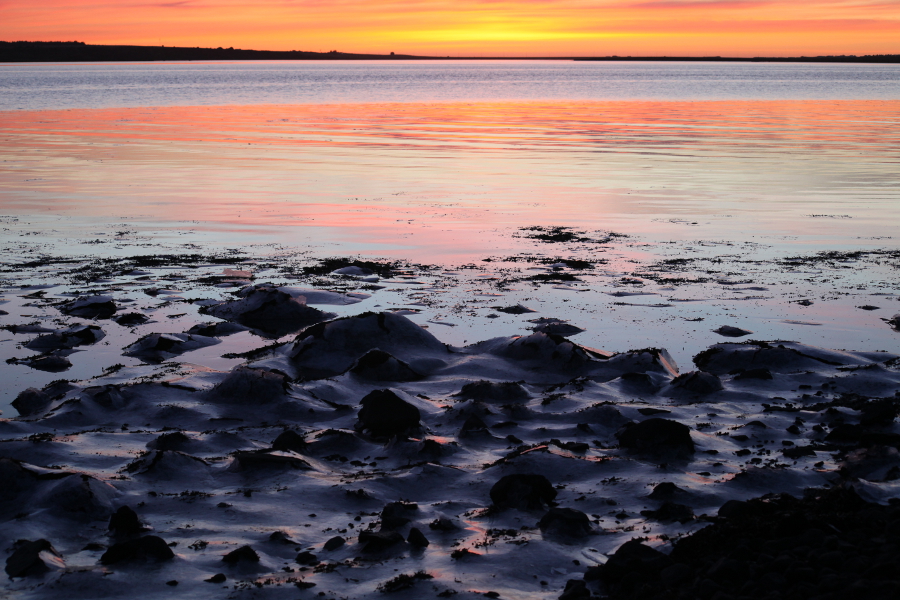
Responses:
[428,176]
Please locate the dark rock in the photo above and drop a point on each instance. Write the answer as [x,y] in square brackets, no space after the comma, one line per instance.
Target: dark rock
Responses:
[665,491]
[307,558]
[334,543]
[217,578]
[243,554]
[829,545]
[149,547]
[397,514]
[384,414]
[289,441]
[172,582]
[416,538]
[729,331]
[579,447]
[442,524]
[523,491]
[131,319]
[280,537]
[27,561]
[376,541]
[879,413]
[490,391]
[676,574]
[576,589]
[557,327]
[845,433]
[670,511]
[566,522]
[125,522]
[657,437]
[255,460]
[875,463]
[736,509]
[631,559]
[796,452]
[518,309]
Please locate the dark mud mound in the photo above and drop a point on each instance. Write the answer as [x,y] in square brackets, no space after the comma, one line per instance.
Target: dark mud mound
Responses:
[378,365]
[384,414]
[565,523]
[657,438]
[729,331]
[555,327]
[329,349]
[149,548]
[777,357]
[546,351]
[831,545]
[50,363]
[219,329]
[696,383]
[492,391]
[31,559]
[32,401]
[160,347]
[90,307]
[64,339]
[27,488]
[523,490]
[269,311]
[248,386]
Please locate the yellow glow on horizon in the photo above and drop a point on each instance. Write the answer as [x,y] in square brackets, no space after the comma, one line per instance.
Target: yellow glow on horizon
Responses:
[472,27]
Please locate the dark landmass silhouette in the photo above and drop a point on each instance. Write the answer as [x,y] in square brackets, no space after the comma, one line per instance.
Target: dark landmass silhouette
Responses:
[14,52]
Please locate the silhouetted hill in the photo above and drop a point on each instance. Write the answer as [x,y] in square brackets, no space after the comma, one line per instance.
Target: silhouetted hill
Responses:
[81,52]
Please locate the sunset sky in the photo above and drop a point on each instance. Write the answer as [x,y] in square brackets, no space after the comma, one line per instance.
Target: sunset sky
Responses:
[472,27]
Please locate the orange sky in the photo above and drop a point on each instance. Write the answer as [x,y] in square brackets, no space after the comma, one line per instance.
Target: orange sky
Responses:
[472,27]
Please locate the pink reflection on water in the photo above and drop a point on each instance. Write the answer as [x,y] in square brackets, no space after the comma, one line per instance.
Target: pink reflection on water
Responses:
[443,179]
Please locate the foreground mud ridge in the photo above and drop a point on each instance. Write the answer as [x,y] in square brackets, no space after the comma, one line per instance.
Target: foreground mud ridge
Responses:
[343,450]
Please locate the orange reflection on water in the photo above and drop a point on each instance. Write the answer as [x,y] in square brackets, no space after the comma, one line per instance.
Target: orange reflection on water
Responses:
[433,175]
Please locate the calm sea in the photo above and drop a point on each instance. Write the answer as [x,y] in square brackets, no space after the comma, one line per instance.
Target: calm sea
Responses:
[445,163]
[109,85]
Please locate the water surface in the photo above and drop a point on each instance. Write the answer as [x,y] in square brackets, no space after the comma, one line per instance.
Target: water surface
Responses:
[107,85]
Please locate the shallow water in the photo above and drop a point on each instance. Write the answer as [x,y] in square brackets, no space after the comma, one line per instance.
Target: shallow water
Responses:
[107,85]
[398,178]
[733,184]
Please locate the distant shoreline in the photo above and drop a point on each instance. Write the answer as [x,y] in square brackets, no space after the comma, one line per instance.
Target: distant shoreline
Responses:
[29,52]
